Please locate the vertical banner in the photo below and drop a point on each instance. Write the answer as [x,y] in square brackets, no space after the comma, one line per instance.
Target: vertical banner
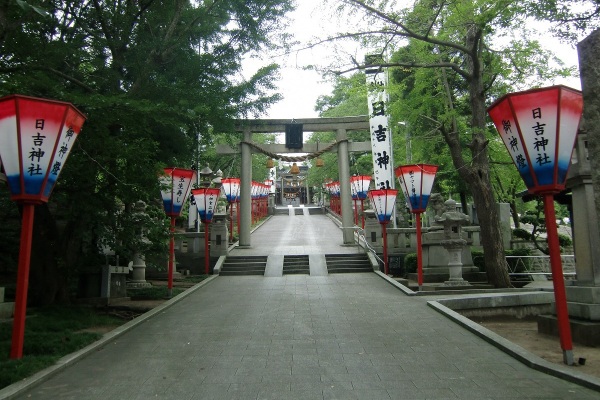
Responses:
[381,136]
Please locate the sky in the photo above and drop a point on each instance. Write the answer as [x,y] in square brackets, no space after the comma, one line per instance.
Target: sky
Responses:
[301,88]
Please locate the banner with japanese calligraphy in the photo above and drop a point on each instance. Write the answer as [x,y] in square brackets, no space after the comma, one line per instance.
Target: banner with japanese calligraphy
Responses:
[538,128]
[206,202]
[381,136]
[176,184]
[36,138]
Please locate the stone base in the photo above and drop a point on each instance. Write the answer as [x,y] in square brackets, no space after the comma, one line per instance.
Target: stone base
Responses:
[457,282]
[138,285]
[582,332]
[7,310]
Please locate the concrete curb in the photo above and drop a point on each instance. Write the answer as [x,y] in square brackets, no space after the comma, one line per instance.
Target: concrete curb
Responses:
[18,388]
[517,352]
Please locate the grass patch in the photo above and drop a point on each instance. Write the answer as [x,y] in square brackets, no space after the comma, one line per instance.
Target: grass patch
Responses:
[50,333]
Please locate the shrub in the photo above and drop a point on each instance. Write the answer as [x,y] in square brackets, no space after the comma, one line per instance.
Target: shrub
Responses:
[478,260]
[564,240]
[520,233]
[410,263]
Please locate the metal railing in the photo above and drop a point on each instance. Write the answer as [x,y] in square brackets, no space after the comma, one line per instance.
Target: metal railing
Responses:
[539,265]
[361,240]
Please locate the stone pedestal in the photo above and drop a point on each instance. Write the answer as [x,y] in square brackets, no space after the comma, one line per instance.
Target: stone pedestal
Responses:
[219,236]
[455,248]
[138,273]
[373,234]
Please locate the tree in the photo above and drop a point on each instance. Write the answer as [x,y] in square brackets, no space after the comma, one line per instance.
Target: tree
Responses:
[456,41]
[152,77]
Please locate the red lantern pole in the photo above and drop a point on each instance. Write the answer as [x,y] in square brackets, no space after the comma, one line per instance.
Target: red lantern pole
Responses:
[237,211]
[206,251]
[171,258]
[231,221]
[562,313]
[385,253]
[419,252]
[18,333]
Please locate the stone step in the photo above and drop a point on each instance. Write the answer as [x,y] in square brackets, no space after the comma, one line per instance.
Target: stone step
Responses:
[348,263]
[296,265]
[244,265]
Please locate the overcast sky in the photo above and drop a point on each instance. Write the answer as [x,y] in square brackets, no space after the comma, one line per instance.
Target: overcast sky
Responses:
[301,88]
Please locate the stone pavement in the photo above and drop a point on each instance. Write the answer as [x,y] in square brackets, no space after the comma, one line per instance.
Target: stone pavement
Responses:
[342,336]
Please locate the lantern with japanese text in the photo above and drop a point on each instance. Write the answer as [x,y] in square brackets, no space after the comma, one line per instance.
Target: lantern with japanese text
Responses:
[206,202]
[539,128]
[416,182]
[176,184]
[383,202]
[36,137]
[360,188]
[230,189]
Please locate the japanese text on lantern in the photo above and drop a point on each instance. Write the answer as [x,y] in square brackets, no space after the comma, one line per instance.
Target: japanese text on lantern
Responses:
[37,152]
[180,187]
[513,144]
[413,190]
[539,141]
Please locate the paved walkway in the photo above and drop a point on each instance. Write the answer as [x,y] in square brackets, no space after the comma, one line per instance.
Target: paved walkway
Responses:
[297,234]
[343,336]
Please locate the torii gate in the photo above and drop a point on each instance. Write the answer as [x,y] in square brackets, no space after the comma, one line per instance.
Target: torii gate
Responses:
[339,125]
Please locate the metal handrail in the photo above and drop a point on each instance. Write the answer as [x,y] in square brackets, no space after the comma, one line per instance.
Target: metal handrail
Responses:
[360,234]
[540,265]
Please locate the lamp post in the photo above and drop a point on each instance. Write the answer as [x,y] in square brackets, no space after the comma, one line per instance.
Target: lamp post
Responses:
[383,202]
[175,189]
[538,128]
[36,138]
[360,184]
[230,189]
[417,181]
[206,201]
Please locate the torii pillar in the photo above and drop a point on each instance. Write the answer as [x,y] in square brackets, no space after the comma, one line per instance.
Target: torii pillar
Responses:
[345,192]
[245,191]
[344,147]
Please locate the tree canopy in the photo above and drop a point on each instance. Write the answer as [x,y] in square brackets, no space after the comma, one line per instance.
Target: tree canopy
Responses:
[155,79]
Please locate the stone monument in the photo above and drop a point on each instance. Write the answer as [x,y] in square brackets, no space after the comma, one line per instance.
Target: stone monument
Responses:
[452,221]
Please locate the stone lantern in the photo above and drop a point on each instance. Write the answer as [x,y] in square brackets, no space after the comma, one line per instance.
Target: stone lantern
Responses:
[452,221]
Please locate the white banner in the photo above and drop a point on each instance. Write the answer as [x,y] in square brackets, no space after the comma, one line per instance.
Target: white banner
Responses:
[381,135]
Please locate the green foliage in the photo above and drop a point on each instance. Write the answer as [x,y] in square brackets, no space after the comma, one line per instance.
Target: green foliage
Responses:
[156,81]
[564,240]
[410,263]
[521,233]
[51,333]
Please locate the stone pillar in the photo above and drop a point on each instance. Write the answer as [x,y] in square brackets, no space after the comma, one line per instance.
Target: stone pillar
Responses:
[219,236]
[345,193]
[245,191]
[583,299]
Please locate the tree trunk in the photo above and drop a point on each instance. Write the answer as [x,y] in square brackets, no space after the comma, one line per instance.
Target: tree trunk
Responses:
[477,174]
[47,283]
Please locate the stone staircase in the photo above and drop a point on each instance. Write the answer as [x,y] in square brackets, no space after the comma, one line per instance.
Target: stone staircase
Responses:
[348,263]
[296,264]
[244,265]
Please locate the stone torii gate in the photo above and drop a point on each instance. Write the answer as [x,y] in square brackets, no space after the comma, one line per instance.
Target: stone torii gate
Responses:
[339,125]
